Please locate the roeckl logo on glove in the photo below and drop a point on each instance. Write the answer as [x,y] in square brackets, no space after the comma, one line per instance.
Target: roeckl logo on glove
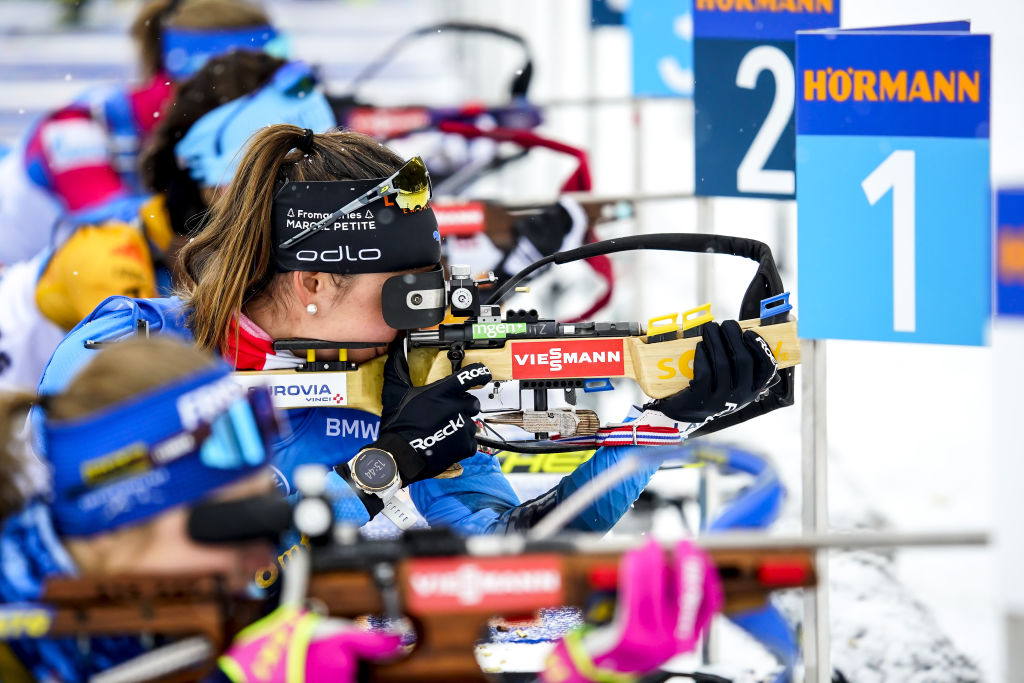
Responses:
[441,434]
[466,375]
[768,352]
[730,407]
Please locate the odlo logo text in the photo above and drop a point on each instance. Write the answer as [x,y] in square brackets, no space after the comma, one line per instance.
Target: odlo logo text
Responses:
[441,434]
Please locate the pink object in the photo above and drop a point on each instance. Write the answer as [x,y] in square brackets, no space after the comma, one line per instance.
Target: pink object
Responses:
[148,101]
[72,150]
[662,610]
[291,646]
[335,659]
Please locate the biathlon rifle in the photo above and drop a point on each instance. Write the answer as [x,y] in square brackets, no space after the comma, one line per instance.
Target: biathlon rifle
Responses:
[449,587]
[544,355]
[393,122]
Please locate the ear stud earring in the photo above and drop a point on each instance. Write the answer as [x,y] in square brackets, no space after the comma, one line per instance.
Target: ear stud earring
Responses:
[311,309]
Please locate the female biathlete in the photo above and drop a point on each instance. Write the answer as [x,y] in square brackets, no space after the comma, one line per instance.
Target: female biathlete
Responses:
[146,430]
[245,286]
[150,428]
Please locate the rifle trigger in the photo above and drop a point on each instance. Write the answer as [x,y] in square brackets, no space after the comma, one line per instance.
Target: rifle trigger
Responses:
[455,356]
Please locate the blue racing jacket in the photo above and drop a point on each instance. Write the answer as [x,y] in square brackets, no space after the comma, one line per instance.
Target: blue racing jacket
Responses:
[480,500]
[30,554]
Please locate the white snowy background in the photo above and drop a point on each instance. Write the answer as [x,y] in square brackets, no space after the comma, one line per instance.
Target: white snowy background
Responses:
[921,437]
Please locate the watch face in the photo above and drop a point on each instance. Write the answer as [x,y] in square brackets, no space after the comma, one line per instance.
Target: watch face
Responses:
[375,468]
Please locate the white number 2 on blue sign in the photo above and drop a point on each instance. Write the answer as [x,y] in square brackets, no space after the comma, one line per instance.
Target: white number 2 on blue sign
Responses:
[752,176]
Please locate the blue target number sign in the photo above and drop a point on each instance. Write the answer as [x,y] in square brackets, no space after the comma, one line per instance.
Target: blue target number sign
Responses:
[662,33]
[606,12]
[893,185]
[743,52]
[1010,252]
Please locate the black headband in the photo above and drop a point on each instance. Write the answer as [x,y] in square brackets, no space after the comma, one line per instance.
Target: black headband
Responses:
[378,238]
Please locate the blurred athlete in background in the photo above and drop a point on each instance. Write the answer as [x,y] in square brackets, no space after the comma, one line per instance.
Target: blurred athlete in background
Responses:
[84,155]
[128,246]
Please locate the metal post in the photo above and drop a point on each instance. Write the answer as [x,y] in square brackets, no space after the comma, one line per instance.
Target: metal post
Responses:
[637,262]
[707,499]
[637,110]
[707,491]
[705,272]
[814,442]
[591,111]
[782,255]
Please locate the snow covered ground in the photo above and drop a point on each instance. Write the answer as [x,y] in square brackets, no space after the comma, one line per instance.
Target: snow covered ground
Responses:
[910,427]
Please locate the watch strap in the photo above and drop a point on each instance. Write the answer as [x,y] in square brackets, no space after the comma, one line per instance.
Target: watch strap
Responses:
[399,513]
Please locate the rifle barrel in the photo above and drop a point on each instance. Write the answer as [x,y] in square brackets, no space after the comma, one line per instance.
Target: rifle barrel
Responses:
[856,540]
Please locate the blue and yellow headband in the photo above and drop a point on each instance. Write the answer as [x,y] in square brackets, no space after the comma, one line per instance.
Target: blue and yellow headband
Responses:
[186,50]
[164,448]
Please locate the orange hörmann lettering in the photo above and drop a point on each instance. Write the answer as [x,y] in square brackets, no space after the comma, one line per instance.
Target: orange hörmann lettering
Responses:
[1011,255]
[791,6]
[868,85]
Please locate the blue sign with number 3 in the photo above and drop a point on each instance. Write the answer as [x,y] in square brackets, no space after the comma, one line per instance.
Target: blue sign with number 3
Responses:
[662,32]
[893,186]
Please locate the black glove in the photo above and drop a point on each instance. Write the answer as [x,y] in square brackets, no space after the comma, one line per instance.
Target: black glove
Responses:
[546,230]
[536,235]
[431,427]
[731,368]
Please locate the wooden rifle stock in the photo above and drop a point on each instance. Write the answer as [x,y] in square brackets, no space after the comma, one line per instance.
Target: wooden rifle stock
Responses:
[449,599]
[659,368]
[451,615]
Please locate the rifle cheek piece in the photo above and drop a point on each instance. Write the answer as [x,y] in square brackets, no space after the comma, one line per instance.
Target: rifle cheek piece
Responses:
[414,300]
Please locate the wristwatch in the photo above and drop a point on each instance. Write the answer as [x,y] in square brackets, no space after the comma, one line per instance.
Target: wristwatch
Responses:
[375,472]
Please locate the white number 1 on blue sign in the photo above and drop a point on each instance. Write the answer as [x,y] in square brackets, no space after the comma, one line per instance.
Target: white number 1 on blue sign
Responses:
[896,173]
[751,176]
